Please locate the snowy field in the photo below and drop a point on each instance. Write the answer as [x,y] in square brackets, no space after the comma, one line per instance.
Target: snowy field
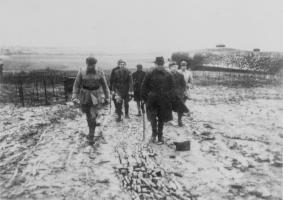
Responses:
[236,151]
[16,63]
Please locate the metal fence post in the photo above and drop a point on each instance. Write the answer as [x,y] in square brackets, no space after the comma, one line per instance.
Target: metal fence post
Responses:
[45,90]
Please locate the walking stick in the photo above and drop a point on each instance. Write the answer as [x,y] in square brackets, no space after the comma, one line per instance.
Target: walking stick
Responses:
[143,121]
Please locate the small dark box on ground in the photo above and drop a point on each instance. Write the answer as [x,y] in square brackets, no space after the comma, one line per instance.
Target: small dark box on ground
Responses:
[183,146]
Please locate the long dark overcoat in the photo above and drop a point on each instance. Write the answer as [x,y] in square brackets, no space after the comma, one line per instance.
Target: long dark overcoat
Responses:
[138,77]
[157,89]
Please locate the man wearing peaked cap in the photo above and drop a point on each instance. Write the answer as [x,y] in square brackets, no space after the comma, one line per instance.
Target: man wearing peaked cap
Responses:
[87,93]
[121,87]
[112,76]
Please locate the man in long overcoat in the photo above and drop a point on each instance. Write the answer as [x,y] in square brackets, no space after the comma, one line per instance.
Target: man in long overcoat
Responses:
[156,92]
[184,69]
[122,87]
[138,77]
[180,92]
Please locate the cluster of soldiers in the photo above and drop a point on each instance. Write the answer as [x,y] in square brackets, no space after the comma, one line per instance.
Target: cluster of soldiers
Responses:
[161,90]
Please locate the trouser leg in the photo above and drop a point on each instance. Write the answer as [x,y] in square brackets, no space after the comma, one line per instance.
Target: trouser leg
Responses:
[119,110]
[126,105]
[180,123]
[91,121]
[160,129]
[139,107]
[154,126]
[189,93]
[115,104]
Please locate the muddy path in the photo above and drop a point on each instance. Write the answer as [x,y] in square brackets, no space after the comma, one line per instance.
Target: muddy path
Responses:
[235,153]
[54,161]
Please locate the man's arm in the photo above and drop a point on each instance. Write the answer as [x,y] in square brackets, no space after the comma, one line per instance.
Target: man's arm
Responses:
[172,84]
[77,85]
[130,83]
[111,79]
[104,86]
[145,87]
[183,82]
[190,79]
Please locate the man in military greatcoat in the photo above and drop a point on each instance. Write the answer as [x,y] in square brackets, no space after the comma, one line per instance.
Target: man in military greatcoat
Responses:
[122,88]
[138,77]
[87,93]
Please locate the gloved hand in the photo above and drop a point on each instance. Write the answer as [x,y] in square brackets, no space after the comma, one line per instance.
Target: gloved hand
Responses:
[76,101]
[143,106]
[113,95]
[131,95]
[186,96]
[106,102]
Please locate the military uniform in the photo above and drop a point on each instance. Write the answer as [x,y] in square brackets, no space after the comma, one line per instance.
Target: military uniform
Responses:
[111,86]
[88,89]
[122,85]
[138,78]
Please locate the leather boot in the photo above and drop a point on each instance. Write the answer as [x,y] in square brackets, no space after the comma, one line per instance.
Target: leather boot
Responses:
[160,132]
[91,135]
[126,105]
[139,114]
[139,108]
[119,119]
[119,108]
[154,130]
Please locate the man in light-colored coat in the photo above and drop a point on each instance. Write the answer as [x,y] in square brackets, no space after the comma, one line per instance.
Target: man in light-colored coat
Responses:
[87,93]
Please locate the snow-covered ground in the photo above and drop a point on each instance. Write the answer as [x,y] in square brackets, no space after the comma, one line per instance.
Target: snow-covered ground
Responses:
[236,139]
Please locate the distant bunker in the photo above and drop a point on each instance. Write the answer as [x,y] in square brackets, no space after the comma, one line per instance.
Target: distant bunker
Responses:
[220,46]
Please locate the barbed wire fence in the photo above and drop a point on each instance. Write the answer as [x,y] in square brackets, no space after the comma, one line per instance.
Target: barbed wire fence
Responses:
[47,87]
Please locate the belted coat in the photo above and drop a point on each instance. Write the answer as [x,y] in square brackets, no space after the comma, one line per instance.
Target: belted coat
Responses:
[89,88]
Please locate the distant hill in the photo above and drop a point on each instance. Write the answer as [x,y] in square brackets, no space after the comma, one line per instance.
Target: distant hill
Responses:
[233,58]
[226,50]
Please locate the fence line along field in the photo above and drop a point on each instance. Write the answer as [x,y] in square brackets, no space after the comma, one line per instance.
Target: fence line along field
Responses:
[38,87]
[52,86]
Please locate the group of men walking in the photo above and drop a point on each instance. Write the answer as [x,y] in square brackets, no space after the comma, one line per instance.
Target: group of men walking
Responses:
[162,91]
[124,86]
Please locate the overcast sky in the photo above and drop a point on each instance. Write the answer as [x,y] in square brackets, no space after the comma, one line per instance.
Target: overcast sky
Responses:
[143,25]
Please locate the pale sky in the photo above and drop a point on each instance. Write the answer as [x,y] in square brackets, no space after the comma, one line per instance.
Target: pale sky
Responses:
[143,25]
